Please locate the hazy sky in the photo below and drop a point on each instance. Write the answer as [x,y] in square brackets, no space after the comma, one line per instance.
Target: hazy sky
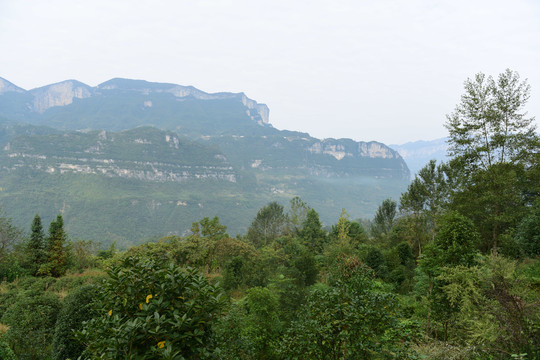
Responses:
[369,70]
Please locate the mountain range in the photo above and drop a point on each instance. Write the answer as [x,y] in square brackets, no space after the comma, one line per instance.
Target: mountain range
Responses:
[130,159]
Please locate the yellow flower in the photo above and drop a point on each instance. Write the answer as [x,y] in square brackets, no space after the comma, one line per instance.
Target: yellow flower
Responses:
[148,298]
[140,306]
[110,312]
[161,344]
[181,297]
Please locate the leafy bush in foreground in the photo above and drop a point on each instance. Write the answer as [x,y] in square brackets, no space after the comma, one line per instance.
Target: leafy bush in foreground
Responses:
[152,310]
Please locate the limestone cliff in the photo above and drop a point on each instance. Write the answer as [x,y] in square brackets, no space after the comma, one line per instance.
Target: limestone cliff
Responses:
[59,94]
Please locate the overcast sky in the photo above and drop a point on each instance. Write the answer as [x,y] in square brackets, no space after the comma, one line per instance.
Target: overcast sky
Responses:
[385,70]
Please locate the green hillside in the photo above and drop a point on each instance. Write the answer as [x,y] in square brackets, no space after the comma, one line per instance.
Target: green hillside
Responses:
[130,159]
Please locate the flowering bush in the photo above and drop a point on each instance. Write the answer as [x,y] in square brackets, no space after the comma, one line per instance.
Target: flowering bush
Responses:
[152,310]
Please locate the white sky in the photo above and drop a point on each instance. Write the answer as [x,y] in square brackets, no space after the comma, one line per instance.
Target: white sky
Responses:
[385,70]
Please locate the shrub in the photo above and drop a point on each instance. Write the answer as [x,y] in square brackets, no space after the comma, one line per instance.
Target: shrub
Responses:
[149,309]
[31,323]
[5,352]
[77,308]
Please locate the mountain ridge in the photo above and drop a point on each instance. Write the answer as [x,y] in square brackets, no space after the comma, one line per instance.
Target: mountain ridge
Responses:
[129,159]
[62,93]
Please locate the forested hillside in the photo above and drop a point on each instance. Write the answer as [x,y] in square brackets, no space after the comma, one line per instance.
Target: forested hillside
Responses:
[130,160]
[451,271]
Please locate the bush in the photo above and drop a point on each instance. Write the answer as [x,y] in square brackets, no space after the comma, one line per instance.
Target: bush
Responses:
[5,352]
[148,309]
[77,308]
[352,318]
[31,323]
[10,269]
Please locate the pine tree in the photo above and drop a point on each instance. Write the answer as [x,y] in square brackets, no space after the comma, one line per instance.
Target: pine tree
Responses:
[36,246]
[57,251]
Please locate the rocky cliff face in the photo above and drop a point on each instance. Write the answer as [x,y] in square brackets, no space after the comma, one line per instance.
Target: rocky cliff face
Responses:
[59,94]
[371,149]
[143,154]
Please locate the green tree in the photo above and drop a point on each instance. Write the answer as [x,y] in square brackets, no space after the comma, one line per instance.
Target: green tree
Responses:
[427,196]
[299,211]
[270,223]
[58,254]
[35,247]
[376,261]
[498,306]
[491,140]
[210,228]
[350,319]
[312,234]
[342,227]
[454,245]
[384,219]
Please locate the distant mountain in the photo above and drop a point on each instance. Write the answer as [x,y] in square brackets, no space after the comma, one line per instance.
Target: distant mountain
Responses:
[121,104]
[129,159]
[418,153]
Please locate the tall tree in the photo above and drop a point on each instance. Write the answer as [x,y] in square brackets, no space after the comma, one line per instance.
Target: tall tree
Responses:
[489,125]
[384,219]
[312,234]
[36,245]
[57,251]
[270,223]
[492,142]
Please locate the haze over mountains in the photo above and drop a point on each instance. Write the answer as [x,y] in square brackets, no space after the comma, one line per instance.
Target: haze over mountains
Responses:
[418,153]
[129,159]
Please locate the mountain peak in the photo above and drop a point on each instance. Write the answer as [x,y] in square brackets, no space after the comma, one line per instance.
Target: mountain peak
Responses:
[6,86]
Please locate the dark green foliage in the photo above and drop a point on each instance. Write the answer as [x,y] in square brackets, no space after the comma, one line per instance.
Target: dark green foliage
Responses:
[307,268]
[234,273]
[152,309]
[401,265]
[528,232]
[270,223]
[377,262]
[31,322]
[457,240]
[262,322]
[11,269]
[251,328]
[58,255]
[404,252]
[352,318]
[384,219]
[312,234]
[35,248]
[5,351]
[210,228]
[77,308]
